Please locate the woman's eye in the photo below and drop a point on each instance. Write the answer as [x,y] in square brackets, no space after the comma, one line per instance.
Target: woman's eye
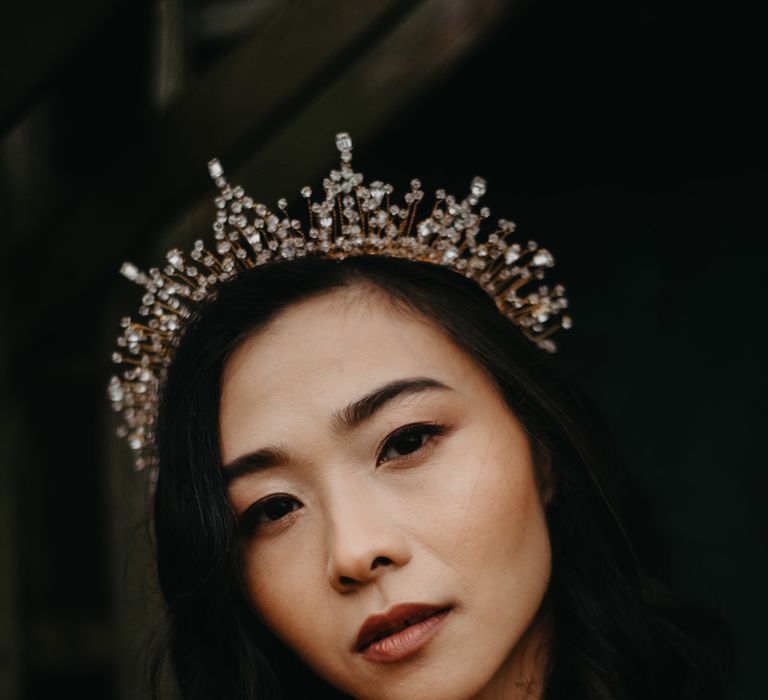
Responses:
[407,440]
[267,510]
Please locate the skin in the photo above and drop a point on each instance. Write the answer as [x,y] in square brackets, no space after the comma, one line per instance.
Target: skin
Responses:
[453,519]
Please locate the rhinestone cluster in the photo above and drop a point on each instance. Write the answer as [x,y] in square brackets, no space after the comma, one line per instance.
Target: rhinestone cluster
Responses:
[353,219]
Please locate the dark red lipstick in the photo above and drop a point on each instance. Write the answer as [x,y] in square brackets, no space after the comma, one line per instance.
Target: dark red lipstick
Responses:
[400,631]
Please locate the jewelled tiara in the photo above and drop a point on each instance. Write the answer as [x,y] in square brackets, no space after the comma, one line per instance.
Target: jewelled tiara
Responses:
[353,219]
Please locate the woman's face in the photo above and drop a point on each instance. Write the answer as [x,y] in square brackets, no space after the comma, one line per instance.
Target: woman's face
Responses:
[373,464]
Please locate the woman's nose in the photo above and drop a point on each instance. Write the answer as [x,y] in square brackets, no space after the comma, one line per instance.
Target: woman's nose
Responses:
[364,540]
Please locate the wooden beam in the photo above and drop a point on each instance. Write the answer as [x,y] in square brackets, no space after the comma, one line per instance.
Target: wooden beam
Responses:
[37,38]
[313,69]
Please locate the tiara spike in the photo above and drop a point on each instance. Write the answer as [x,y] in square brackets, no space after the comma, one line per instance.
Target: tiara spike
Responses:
[353,218]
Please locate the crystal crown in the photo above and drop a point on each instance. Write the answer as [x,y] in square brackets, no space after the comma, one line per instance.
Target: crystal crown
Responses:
[352,219]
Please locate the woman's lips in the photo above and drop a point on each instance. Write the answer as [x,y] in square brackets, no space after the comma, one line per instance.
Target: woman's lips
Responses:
[399,632]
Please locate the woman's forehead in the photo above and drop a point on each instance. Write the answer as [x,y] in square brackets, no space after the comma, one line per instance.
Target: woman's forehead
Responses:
[346,333]
[325,352]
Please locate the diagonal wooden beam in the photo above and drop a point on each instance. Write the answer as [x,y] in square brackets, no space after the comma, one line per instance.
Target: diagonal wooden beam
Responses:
[36,39]
[347,65]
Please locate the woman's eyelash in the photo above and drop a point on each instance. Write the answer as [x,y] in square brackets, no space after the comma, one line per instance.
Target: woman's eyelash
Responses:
[267,510]
[274,508]
[402,438]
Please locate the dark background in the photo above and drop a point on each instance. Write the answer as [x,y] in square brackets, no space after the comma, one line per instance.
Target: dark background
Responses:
[626,137]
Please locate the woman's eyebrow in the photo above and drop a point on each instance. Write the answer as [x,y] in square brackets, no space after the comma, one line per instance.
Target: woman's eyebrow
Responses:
[252,462]
[342,422]
[363,409]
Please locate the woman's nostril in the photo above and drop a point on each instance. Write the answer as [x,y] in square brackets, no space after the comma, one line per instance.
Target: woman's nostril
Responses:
[380,561]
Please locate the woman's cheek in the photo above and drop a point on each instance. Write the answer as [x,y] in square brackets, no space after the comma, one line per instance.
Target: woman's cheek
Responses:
[286,592]
[498,517]
[274,575]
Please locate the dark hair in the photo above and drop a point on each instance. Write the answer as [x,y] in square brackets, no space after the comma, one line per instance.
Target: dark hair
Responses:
[617,632]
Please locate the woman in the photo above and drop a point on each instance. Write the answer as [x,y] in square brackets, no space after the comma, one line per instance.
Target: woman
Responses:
[372,483]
